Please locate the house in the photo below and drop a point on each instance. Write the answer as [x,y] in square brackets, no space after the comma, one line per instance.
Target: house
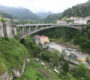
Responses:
[15,20]
[44,39]
[61,22]
[37,39]
[53,46]
[87,18]
[72,18]
[78,20]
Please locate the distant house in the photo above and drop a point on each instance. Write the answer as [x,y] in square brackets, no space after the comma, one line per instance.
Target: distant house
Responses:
[15,20]
[61,22]
[87,18]
[72,18]
[78,20]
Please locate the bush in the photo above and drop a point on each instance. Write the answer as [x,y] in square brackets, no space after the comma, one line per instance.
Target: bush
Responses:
[45,55]
[66,66]
[2,67]
[81,70]
[88,59]
[12,54]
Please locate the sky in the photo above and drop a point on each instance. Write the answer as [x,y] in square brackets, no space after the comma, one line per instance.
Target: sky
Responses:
[36,6]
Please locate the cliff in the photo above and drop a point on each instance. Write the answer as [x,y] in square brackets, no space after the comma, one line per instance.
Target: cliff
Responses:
[13,59]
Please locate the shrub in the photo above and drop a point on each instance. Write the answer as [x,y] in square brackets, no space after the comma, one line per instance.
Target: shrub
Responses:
[88,59]
[45,55]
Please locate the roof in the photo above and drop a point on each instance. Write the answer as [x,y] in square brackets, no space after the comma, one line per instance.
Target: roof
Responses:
[43,37]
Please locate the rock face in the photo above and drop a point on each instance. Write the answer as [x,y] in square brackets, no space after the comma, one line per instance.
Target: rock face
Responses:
[6,76]
[27,59]
[17,73]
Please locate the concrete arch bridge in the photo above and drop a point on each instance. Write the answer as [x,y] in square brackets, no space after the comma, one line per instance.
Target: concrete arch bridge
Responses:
[28,29]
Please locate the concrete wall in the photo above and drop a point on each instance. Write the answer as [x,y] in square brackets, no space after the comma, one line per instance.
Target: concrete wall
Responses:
[1,29]
[6,29]
[9,30]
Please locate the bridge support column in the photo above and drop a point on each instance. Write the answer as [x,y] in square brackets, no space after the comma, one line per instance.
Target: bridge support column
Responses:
[28,29]
[37,27]
[41,27]
[22,30]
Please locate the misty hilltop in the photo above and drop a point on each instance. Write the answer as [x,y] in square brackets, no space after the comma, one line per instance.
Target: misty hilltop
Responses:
[21,13]
[43,15]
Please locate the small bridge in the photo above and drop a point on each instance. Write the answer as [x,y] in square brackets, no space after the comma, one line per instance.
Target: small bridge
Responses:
[28,29]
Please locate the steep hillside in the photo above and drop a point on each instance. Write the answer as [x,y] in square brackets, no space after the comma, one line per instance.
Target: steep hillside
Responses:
[81,10]
[12,58]
[6,15]
[21,13]
[53,17]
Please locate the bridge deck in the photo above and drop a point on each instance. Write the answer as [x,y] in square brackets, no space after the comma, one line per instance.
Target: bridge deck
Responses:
[24,25]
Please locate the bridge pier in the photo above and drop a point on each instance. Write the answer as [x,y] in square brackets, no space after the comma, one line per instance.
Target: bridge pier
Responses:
[36,27]
[28,29]
[22,30]
[80,27]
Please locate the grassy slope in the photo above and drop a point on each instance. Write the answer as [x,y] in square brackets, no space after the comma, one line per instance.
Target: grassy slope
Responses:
[12,54]
[36,71]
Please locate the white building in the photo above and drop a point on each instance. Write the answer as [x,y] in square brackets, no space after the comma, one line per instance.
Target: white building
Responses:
[78,20]
[15,20]
[87,18]
[54,46]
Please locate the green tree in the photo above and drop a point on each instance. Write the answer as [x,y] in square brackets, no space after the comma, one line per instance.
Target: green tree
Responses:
[81,70]
[66,66]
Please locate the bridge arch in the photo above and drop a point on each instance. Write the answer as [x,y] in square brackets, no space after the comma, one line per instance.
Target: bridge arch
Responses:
[39,27]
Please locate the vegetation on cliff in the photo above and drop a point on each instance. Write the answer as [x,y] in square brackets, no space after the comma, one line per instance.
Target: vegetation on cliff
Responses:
[12,54]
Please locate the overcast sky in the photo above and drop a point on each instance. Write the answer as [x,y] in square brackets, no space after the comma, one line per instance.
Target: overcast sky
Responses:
[42,5]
